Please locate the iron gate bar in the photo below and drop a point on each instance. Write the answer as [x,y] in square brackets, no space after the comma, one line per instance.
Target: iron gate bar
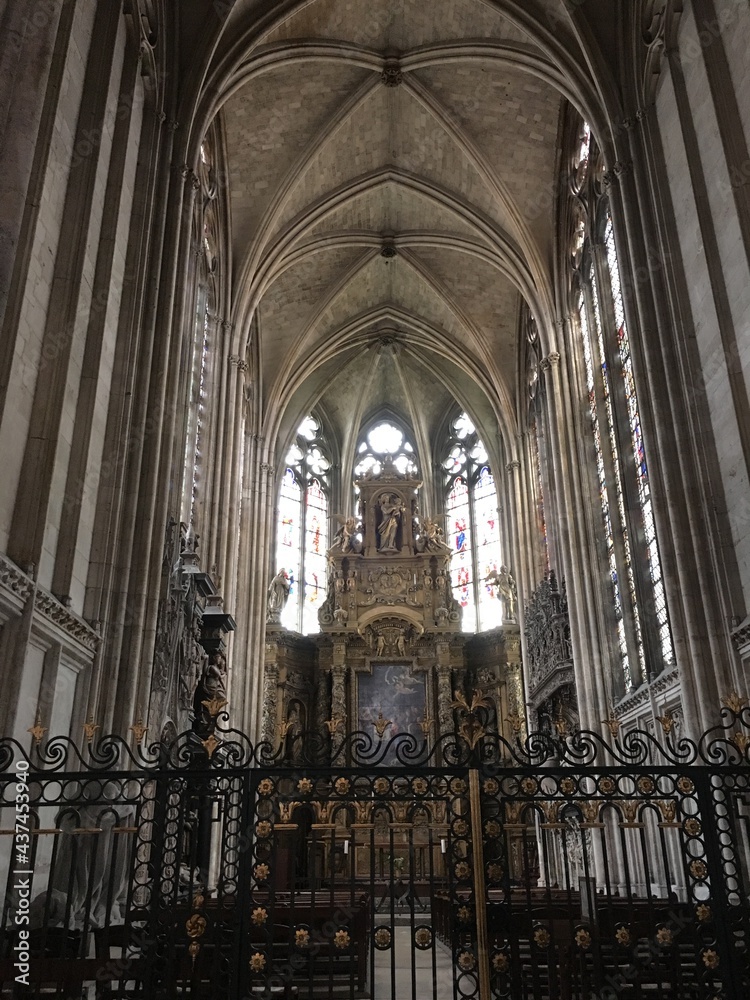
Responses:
[653,814]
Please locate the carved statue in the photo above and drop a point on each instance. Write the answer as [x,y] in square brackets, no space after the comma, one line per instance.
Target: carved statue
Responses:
[278,595]
[212,688]
[401,643]
[345,537]
[380,649]
[431,537]
[506,591]
[391,509]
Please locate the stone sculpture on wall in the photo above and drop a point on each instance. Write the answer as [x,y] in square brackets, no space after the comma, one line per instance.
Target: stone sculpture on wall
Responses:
[278,595]
[391,509]
[506,591]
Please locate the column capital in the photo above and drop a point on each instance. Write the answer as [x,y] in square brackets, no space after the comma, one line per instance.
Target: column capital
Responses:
[511,466]
[552,360]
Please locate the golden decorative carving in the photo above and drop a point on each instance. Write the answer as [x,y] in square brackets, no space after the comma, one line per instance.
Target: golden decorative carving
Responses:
[612,723]
[667,722]
[90,729]
[214,705]
[381,724]
[734,702]
[211,744]
[139,730]
[37,730]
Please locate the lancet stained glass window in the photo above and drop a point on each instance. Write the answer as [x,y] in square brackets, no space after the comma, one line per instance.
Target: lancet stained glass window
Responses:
[473,526]
[644,642]
[302,529]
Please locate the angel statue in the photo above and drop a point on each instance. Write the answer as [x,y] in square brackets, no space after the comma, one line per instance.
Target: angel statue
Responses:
[346,536]
[506,591]
[431,537]
[278,595]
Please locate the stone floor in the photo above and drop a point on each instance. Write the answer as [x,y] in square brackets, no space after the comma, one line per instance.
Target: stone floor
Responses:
[423,982]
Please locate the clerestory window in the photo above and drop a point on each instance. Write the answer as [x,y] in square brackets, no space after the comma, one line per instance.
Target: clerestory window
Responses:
[473,525]
[302,529]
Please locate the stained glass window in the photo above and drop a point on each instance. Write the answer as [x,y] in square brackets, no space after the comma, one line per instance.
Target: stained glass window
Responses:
[639,451]
[385,439]
[473,526]
[644,642]
[302,530]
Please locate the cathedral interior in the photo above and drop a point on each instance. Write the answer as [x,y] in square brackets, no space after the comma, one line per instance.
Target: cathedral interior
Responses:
[375,541]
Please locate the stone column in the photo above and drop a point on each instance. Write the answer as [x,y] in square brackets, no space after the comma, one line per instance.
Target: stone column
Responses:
[444,690]
[270,697]
[338,694]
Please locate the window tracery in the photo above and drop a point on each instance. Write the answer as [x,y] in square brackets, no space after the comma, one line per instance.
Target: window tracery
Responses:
[473,525]
[302,527]
[632,554]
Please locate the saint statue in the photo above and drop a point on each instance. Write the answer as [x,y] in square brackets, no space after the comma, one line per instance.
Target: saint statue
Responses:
[391,509]
[278,595]
[506,591]
[431,537]
[346,536]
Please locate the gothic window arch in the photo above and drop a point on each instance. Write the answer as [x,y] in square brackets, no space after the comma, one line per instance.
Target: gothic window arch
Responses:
[302,528]
[385,439]
[205,236]
[471,510]
[638,600]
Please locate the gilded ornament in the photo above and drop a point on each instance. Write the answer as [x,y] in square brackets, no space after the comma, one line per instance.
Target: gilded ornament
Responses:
[464,914]
[264,828]
[302,937]
[261,872]
[259,916]
[304,786]
[341,939]
[622,936]
[567,786]
[583,939]
[741,741]
[491,787]
[462,870]
[460,827]
[265,787]
[420,786]
[664,937]
[667,722]
[495,872]
[458,786]
[685,785]
[342,786]
[529,786]
[606,786]
[381,724]
[423,937]
[541,937]
[668,810]
[210,745]
[703,913]
[500,962]
[734,702]
[89,729]
[492,828]
[381,786]
[382,937]
[710,958]
[466,961]
[139,731]
[214,706]
[698,869]
[612,723]
[195,926]
[257,962]
[692,826]
[646,785]
[37,730]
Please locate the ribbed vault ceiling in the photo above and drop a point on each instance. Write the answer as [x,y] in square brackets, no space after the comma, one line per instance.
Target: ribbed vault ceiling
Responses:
[391,167]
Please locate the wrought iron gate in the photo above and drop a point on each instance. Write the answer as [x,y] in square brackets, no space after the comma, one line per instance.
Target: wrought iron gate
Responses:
[357,867]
